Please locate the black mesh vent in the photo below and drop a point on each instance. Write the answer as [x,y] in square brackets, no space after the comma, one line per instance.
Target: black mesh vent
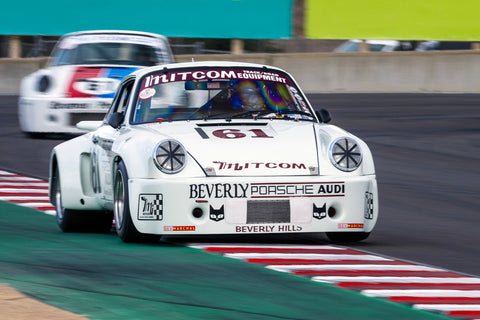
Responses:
[262,211]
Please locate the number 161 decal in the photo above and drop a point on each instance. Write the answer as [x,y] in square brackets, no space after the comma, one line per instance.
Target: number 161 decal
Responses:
[234,133]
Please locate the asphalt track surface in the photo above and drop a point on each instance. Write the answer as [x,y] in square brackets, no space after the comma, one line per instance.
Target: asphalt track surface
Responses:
[426,151]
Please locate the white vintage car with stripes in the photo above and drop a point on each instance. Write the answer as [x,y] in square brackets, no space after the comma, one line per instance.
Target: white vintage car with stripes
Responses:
[214,148]
[82,76]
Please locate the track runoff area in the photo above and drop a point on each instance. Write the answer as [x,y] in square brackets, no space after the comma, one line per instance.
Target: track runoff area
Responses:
[422,287]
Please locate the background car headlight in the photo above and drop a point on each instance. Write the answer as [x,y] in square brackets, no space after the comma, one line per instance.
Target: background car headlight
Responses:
[43,84]
[345,154]
[169,156]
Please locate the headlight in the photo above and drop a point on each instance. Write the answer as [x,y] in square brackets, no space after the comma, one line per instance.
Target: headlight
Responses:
[44,83]
[345,154]
[169,156]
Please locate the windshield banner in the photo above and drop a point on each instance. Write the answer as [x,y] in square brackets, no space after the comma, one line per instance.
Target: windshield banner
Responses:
[199,75]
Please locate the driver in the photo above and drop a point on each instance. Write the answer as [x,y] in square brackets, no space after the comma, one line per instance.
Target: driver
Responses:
[250,97]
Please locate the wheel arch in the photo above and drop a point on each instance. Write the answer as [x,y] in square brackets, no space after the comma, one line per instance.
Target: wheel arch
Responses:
[69,160]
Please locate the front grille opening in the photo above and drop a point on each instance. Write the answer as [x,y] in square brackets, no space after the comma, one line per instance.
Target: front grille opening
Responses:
[268,211]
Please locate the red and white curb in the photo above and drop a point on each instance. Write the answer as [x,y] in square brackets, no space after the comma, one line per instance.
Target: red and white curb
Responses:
[25,191]
[423,287]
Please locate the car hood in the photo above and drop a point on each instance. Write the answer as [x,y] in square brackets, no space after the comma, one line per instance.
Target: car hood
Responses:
[250,148]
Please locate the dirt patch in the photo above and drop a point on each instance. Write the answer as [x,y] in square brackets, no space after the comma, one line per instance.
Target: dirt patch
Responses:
[17,306]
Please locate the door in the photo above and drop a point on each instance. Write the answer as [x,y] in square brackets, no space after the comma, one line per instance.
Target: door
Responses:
[102,142]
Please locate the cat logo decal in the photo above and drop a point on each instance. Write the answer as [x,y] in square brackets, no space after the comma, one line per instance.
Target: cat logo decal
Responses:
[217,214]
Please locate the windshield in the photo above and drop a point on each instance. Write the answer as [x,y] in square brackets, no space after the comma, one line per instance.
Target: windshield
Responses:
[193,94]
[112,50]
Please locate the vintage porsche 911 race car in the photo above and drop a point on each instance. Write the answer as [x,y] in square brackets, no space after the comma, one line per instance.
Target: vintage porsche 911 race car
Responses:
[80,81]
[214,148]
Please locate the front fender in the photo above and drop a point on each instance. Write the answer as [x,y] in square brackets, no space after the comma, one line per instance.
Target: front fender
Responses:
[137,154]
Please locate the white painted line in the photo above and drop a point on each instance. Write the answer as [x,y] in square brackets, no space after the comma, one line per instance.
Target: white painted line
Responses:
[50,212]
[448,307]
[359,267]
[23,183]
[20,191]
[413,280]
[33,198]
[305,256]
[12,177]
[421,293]
[35,204]
[261,246]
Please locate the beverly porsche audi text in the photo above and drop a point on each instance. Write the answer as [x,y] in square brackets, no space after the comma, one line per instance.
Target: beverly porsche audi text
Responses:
[214,148]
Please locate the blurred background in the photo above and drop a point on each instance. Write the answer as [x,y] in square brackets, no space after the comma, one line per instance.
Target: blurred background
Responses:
[292,26]
[355,46]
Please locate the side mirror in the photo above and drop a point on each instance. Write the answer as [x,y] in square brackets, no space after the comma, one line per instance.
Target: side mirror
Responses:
[89,125]
[116,119]
[323,115]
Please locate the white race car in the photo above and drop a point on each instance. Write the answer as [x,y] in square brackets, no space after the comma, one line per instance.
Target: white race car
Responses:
[214,148]
[82,76]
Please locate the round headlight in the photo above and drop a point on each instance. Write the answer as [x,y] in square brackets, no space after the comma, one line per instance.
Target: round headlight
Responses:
[345,154]
[43,84]
[169,156]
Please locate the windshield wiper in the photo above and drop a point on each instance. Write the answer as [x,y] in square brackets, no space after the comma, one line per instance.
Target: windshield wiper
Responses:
[284,114]
[303,113]
[225,115]
[250,114]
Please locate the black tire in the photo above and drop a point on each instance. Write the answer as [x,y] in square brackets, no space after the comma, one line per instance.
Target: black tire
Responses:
[345,237]
[78,220]
[121,209]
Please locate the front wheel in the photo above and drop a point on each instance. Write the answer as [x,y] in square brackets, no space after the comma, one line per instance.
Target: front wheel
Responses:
[124,226]
[77,220]
[345,237]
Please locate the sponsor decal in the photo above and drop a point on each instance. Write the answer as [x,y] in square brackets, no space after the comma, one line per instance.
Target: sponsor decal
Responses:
[150,206]
[234,133]
[218,190]
[267,228]
[59,105]
[266,190]
[321,212]
[96,86]
[95,82]
[258,165]
[74,41]
[103,105]
[106,144]
[368,205]
[217,215]
[282,190]
[179,228]
[153,80]
[350,226]
[146,93]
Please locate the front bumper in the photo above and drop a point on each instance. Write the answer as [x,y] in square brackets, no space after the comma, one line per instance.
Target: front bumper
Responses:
[59,115]
[225,205]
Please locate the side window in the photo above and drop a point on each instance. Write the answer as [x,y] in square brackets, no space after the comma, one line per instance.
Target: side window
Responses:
[121,99]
